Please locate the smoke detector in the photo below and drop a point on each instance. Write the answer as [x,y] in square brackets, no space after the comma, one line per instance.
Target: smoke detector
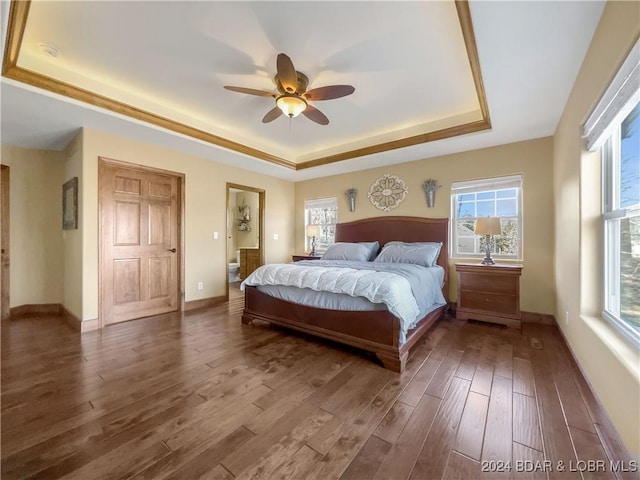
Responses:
[49,50]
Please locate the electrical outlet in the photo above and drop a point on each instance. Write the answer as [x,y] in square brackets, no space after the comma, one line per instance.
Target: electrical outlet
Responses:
[275,236]
[200,285]
[566,318]
[215,235]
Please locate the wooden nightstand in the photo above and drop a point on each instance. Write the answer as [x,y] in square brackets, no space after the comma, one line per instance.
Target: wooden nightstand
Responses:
[490,293]
[297,258]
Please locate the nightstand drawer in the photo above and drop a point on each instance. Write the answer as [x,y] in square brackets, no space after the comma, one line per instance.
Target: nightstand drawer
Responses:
[489,283]
[490,293]
[489,302]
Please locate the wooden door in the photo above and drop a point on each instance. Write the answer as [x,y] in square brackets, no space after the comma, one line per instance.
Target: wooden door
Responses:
[140,235]
[4,241]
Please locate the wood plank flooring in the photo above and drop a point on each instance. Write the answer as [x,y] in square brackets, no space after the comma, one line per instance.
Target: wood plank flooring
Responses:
[198,395]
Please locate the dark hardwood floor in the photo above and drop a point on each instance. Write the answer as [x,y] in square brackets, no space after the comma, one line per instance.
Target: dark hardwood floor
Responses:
[201,396]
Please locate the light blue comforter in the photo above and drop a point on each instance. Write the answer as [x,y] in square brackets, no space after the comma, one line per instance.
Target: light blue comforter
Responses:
[408,291]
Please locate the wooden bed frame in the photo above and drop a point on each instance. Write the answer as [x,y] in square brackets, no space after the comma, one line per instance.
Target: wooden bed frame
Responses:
[374,331]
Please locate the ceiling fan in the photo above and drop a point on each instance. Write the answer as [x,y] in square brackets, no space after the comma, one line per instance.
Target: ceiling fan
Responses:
[293,97]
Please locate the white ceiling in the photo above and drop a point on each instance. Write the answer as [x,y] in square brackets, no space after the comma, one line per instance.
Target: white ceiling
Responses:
[405,59]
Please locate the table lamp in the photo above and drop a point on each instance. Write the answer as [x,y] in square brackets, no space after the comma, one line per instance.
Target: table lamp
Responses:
[488,226]
[313,231]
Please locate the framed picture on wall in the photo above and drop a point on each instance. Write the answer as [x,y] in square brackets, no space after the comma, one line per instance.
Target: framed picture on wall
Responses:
[70,204]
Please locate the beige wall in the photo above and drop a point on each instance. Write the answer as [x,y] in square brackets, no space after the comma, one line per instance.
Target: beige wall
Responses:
[532,158]
[73,239]
[36,235]
[611,364]
[205,212]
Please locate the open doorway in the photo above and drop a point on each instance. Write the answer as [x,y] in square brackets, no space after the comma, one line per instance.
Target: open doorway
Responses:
[245,228]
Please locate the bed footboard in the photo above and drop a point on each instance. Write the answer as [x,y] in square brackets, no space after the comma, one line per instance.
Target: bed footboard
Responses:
[373,331]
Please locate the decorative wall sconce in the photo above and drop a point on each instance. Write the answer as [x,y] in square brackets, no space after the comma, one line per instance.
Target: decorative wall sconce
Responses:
[430,186]
[351,196]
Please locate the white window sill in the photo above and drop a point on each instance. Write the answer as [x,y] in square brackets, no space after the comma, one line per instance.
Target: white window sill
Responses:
[480,258]
[619,346]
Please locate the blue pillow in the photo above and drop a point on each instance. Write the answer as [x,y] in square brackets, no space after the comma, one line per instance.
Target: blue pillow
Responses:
[436,245]
[418,253]
[347,251]
[373,249]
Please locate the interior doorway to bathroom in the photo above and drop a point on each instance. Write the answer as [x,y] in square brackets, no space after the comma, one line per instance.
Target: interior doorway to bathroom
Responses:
[245,227]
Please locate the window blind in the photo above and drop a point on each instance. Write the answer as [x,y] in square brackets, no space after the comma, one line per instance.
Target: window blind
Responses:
[331,202]
[621,95]
[496,183]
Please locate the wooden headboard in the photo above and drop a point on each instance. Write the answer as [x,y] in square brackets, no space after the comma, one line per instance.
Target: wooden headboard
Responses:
[403,229]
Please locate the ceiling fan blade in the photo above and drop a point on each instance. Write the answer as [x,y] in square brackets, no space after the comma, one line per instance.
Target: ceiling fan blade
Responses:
[287,73]
[271,115]
[250,91]
[329,93]
[315,115]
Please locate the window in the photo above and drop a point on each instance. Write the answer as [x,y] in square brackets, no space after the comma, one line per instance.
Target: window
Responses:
[323,212]
[492,197]
[621,219]
[614,127]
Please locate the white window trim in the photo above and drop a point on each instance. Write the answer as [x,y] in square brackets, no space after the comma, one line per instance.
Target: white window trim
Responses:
[480,185]
[325,202]
[610,213]
[599,128]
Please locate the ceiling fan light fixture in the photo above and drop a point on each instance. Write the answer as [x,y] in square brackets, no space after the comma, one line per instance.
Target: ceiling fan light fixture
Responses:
[293,96]
[291,105]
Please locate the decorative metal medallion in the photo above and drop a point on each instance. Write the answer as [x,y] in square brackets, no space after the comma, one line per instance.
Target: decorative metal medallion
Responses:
[387,192]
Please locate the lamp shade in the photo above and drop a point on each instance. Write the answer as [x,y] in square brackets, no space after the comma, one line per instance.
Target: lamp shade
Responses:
[488,226]
[314,230]
[291,105]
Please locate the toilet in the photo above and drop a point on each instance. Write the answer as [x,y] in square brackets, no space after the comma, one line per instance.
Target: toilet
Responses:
[234,269]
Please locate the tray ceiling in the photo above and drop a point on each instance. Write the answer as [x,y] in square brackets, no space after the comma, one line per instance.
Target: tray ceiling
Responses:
[167,62]
[426,75]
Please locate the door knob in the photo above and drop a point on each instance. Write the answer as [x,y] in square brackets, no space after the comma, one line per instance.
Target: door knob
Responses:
[173,250]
